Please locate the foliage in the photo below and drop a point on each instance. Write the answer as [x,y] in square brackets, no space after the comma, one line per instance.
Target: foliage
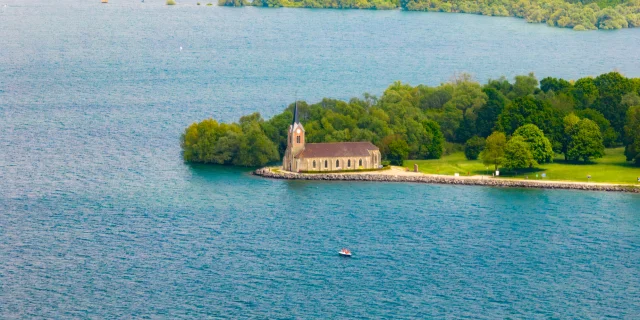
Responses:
[487,115]
[398,149]
[437,120]
[609,135]
[585,141]
[529,110]
[171,2]
[473,147]
[539,144]
[612,87]
[233,3]
[493,153]
[632,139]
[517,154]
[578,15]
[243,144]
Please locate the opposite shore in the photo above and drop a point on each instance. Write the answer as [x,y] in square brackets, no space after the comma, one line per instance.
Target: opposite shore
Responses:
[397,174]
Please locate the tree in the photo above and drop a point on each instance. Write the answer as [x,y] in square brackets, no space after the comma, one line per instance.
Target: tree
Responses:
[435,146]
[487,115]
[585,93]
[473,147]
[254,148]
[397,150]
[612,87]
[554,84]
[529,110]
[493,153]
[540,146]
[609,135]
[517,154]
[632,135]
[524,86]
[586,141]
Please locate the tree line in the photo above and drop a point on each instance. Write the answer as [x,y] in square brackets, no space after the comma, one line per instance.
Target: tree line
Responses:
[577,14]
[525,116]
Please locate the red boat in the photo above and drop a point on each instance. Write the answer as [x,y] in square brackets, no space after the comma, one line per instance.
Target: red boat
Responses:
[345,252]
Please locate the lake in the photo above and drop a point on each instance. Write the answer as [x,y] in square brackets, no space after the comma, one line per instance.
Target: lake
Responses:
[100,218]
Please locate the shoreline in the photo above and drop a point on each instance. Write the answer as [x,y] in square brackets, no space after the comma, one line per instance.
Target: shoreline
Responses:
[397,175]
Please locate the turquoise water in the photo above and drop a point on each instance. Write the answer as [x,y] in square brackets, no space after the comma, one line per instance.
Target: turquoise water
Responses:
[99,217]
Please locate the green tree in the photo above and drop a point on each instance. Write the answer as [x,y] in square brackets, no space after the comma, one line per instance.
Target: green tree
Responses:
[554,84]
[493,153]
[524,86]
[612,87]
[540,146]
[586,141]
[609,135]
[529,110]
[487,115]
[254,148]
[632,135]
[395,149]
[473,147]
[585,93]
[517,154]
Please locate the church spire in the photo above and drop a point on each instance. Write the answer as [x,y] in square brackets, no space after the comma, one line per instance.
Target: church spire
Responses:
[295,115]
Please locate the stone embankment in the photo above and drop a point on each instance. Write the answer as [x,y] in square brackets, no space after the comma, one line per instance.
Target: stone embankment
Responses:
[441,179]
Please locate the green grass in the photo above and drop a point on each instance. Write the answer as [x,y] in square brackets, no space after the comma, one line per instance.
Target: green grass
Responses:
[611,168]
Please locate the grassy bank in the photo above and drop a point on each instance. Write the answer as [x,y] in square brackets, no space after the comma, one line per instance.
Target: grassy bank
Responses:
[611,168]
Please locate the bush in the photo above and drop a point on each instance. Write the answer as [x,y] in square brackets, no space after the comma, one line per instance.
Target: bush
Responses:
[473,147]
[171,2]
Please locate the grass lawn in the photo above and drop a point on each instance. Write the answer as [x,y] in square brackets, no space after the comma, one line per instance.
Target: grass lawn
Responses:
[611,168]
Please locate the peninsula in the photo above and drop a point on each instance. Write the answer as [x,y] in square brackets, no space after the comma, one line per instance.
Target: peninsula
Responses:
[585,131]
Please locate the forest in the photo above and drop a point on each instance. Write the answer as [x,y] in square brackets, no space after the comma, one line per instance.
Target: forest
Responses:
[576,14]
[513,124]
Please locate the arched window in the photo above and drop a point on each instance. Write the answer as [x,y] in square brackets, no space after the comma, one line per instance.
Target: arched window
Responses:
[337,163]
[298,139]
[360,163]
[314,164]
[349,163]
[326,164]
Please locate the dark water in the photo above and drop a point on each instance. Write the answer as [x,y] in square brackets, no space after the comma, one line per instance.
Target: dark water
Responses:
[99,217]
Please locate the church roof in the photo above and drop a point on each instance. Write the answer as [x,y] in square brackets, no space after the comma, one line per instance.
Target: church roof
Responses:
[337,149]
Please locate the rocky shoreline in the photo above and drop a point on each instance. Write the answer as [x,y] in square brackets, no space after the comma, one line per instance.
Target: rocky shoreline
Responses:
[440,179]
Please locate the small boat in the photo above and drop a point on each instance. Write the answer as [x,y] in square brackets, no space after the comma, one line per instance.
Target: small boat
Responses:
[345,252]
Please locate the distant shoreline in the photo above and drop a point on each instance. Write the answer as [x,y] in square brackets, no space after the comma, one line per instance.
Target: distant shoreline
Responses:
[562,14]
[398,175]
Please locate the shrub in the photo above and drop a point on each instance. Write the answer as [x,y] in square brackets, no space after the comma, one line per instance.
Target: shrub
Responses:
[473,147]
[171,2]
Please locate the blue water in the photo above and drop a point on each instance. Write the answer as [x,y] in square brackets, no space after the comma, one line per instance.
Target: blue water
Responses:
[99,217]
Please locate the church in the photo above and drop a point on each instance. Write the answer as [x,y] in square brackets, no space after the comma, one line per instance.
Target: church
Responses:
[335,156]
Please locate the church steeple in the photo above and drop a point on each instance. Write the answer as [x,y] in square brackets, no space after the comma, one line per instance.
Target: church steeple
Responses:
[295,142]
[295,115]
